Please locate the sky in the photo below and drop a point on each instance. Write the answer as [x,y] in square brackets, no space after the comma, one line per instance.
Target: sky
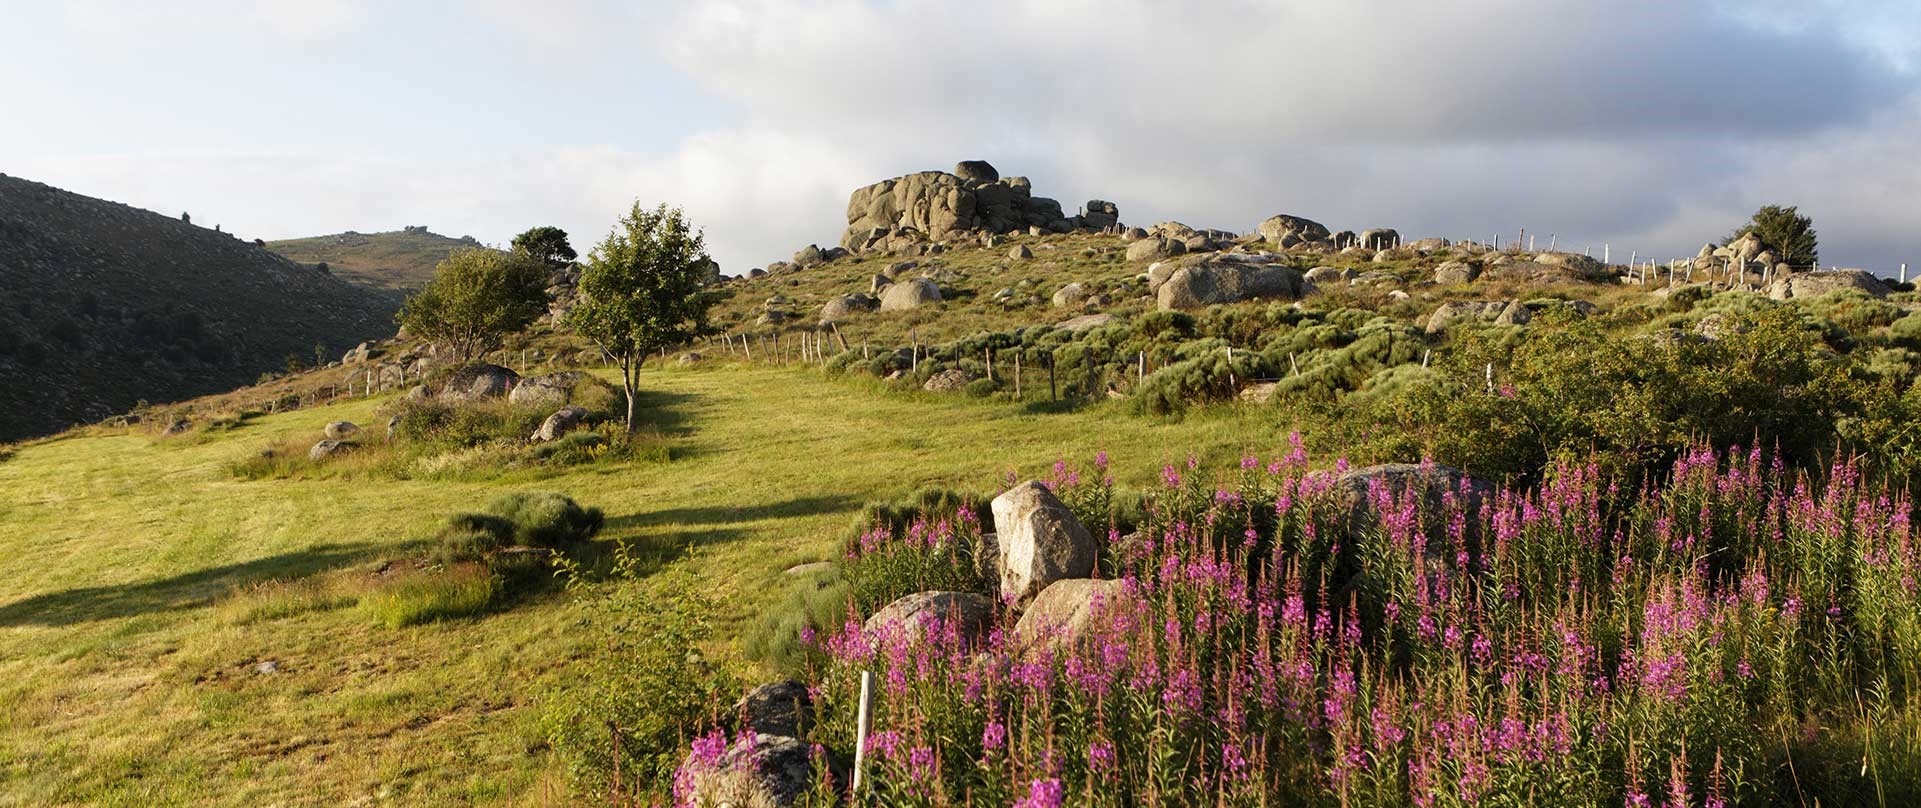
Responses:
[1647,126]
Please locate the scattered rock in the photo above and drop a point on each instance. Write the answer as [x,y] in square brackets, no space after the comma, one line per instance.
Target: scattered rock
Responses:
[180,426]
[1276,227]
[561,422]
[948,381]
[1259,393]
[1154,248]
[327,448]
[420,392]
[777,708]
[341,430]
[810,568]
[910,295]
[478,382]
[809,256]
[267,668]
[1431,482]
[1020,253]
[1329,275]
[758,771]
[1071,296]
[1491,310]
[1040,541]
[1379,238]
[976,170]
[846,305]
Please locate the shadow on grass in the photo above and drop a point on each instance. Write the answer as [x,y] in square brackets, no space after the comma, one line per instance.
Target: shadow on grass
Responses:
[662,410]
[186,591]
[722,515]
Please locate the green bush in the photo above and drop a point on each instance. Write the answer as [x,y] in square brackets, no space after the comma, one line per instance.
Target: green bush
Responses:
[818,603]
[545,519]
[648,687]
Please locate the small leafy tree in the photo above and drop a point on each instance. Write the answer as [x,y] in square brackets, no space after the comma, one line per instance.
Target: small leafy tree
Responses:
[476,298]
[640,290]
[1785,231]
[545,244]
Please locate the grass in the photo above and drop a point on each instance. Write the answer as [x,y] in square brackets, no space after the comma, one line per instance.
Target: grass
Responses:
[391,260]
[145,583]
[430,596]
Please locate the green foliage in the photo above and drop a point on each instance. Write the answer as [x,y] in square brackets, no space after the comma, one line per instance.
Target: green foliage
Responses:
[546,244]
[476,298]
[634,702]
[532,519]
[818,602]
[641,290]
[930,542]
[1786,231]
[1567,388]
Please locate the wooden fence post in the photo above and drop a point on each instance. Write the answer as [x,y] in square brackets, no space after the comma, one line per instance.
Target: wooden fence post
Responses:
[862,722]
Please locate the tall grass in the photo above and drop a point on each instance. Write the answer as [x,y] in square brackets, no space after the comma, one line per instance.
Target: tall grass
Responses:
[425,597]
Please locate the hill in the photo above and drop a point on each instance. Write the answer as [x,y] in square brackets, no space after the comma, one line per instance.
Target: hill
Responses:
[103,305]
[399,259]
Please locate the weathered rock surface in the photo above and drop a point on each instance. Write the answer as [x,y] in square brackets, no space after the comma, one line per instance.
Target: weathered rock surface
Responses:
[550,390]
[1066,613]
[1071,296]
[478,382]
[1227,278]
[777,708]
[1490,310]
[911,294]
[1085,322]
[761,771]
[328,448]
[1455,272]
[1154,248]
[341,430]
[561,422]
[948,381]
[967,613]
[1040,541]
[845,306]
[1431,483]
[897,213]
[1275,228]
[1815,284]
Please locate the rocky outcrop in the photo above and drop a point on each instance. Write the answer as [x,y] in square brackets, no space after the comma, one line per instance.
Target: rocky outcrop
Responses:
[1816,284]
[1379,238]
[936,205]
[1071,296]
[847,305]
[1455,272]
[1279,227]
[1040,542]
[1085,322]
[948,381]
[1203,281]
[1154,248]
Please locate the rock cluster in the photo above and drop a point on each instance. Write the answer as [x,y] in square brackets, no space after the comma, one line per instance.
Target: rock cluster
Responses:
[905,213]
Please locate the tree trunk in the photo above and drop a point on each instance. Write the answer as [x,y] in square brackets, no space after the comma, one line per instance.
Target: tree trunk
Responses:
[630,381]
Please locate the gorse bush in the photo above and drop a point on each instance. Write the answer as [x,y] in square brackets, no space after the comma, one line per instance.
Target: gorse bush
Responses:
[1686,642]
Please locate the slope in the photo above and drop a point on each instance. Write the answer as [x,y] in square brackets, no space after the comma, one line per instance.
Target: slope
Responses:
[399,259]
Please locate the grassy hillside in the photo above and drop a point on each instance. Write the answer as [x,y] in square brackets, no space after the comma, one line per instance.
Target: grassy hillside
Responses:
[103,305]
[398,259]
[130,619]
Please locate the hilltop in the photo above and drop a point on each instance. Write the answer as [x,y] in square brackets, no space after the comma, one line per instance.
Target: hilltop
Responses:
[106,305]
[398,259]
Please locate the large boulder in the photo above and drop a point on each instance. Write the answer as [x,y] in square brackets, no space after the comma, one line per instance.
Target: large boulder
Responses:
[328,448]
[1586,266]
[1816,284]
[1154,248]
[1040,541]
[341,430]
[1275,228]
[1228,278]
[550,390]
[1380,238]
[910,295]
[1489,310]
[557,425]
[809,256]
[757,771]
[478,382]
[967,614]
[1100,215]
[976,170]
[1065,614]
[1455,272]
[846,305]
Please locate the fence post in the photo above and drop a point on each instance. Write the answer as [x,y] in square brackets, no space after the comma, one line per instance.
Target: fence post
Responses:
[1017,376]
[1904,273]
[862,722]
[1053,389]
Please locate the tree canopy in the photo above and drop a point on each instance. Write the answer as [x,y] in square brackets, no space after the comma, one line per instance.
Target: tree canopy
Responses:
[476,298]
[1785,231]
[640,290]
[546,244]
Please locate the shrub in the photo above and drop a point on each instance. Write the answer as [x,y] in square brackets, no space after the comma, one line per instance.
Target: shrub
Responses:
[431,595]
[537,519]
[815,605]
[633,704]
[277,599]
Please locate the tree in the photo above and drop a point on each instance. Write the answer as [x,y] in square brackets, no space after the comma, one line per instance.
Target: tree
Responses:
[546,244]
[1785,231]
[476,298]
[640,290]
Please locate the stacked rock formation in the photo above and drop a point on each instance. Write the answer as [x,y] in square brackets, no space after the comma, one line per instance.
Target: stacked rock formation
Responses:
[937,205]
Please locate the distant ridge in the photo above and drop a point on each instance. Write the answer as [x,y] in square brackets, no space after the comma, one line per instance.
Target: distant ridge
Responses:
[397,259]
[103,305]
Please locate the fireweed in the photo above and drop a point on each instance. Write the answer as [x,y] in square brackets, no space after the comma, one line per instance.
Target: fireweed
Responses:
[1739,633]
